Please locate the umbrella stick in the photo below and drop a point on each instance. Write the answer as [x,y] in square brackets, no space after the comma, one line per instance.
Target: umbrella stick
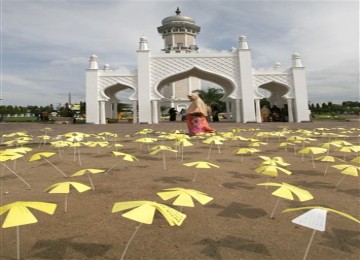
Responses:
[209,151]
[91,182]
[56,167]
[14,165]
[274,209]
[17,175]
[313,162]
[182,153]
[74,153]
[326,168]
[112,167]
[309,244]
[130,240]
[194,176]
[79,157]
[66,202]
[242,158]
[17,242]
[340,181]
[164,160]
[219,151]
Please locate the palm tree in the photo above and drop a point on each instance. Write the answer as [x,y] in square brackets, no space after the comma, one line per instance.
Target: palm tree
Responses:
[211,97]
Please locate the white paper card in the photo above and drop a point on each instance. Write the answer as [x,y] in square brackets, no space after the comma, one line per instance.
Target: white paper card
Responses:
[314,219]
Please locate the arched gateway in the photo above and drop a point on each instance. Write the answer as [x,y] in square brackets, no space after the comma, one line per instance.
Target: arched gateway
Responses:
[170,75]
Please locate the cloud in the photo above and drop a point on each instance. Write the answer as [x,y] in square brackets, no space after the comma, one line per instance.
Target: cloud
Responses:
[46,44]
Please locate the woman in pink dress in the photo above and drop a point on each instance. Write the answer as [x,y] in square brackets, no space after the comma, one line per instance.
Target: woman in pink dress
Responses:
[196,116]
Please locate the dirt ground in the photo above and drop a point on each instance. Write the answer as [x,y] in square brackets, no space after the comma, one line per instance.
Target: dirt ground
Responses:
[234,225]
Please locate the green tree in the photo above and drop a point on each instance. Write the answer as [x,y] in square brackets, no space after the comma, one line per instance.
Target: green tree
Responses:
[211,97]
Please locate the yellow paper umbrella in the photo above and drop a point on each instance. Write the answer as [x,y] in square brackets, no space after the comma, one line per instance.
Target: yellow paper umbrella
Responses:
[185,196]
[271,170]
[87,172]
[312,151]
[349,149]
[162,148]
[356,159]
[66,187]
[347,169]
[126,157]
[146,140]
[243,151]
[315,219]
[19,214]
[143,212]
[327,159]
[287,191]
[12,155]
[181,143]
[273,161]
[217,140]
[200,165]
[44,155]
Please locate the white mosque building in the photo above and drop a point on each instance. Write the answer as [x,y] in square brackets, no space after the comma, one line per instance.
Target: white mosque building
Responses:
[167,76]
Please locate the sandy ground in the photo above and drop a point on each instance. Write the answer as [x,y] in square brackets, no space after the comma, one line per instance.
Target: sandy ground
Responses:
[234,225]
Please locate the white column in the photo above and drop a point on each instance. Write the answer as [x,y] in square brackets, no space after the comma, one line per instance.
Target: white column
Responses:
[290,110]
[258,111]
[237,111]
[135,112]
[154,111]
[102,113]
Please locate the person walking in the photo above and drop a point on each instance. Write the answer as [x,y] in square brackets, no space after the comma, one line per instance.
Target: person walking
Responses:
[196,116]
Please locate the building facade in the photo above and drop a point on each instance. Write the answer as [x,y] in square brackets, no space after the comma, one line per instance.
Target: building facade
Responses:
[166,77]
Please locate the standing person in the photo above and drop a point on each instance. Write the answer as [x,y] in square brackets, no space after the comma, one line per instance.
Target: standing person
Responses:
[196,116]
[183,114]
[172,114]
[215,114]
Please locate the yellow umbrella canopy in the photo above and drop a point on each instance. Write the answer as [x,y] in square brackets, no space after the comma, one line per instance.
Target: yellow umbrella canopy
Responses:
[19,213]
[45,155]
[289,192]
[39,156]
[126,156]
[273,161]
[356,159]
[313,150]
[272,170]
[66,187]
[201,165]
[88,172]
[185,196]
[327,159]
[144,212]
[348,169]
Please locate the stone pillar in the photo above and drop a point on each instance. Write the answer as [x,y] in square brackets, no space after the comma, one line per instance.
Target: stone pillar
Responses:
[236,110]
[290,110]
[91,87]
[135,112]
[155,111]
[102,112]
[258,111]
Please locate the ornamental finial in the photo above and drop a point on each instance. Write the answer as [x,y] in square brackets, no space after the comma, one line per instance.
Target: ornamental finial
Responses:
[178,12]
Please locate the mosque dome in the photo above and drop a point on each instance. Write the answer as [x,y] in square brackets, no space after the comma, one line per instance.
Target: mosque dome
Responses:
[178,21]
[177,18]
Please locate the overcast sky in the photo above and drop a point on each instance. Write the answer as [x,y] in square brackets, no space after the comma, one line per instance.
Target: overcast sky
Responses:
[46,44]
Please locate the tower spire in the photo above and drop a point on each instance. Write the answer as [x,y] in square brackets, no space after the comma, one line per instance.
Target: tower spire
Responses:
[178,12]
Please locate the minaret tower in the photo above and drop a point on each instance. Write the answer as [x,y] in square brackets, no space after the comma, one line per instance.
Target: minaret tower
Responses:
[179,33]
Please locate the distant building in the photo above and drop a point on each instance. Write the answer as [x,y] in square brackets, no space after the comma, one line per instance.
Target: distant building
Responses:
[167,77]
